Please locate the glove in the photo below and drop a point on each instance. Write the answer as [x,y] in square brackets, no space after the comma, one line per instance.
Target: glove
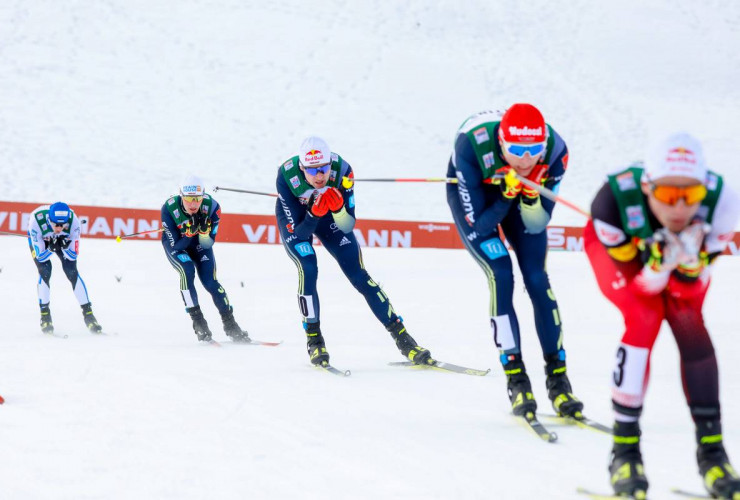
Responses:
[316,205]
[333,199]
[52,245]
[662,252]
[536,176]
[203,224]
[695,258]
[63,242]
[510,185]
[189,228]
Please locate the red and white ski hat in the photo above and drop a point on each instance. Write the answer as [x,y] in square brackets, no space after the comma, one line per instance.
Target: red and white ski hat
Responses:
[522,124]
[314,151]
[679,155]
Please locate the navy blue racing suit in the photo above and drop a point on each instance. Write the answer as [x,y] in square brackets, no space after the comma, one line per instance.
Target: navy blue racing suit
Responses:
[187,255]
[478,209]
[297,228]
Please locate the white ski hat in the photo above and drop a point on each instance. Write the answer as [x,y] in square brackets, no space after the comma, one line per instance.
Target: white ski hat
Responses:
[192,185]
[314,151]
[678,155]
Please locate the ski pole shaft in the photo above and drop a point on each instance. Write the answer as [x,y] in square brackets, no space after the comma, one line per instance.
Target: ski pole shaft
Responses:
[127,236]
[261,193]
[548,193]
[6,233]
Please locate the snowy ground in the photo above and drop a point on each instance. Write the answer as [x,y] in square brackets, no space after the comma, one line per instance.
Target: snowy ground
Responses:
[111,102]
[150,413]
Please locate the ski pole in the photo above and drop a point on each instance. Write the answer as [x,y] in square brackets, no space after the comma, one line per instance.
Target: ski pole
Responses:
[6,233]
[262,193]
[126,236]
[550,194]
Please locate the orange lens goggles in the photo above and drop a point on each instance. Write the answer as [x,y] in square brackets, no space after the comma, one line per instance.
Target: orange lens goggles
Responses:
[671,194]
[192,198]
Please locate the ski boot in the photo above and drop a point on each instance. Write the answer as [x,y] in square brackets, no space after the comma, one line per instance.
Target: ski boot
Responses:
[232,329]
[315,344]
[200,325]
[625,468]
[46,325]
[90,321]
[558,386]
[407,345]
[720,479]
[518,386]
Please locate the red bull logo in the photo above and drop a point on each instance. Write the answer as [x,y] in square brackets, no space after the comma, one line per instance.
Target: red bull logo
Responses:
[682,155]
[314,156]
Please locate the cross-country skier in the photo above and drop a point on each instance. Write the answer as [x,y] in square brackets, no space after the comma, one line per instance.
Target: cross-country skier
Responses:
[190,223]
[55,229]
[655,232]
[489,145]
[313,200]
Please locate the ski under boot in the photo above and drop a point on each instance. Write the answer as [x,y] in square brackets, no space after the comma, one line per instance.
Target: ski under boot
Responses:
[232,329]
[315,344]
[90,321]
[720,478]
[518,386]
[625,468]
[46,325]
[407,345]
[200,325]
[558,386]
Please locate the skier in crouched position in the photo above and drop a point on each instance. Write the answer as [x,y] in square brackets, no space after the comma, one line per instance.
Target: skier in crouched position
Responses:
[489,146]
[654,234]
[190,223]
[55,229]
[314,200]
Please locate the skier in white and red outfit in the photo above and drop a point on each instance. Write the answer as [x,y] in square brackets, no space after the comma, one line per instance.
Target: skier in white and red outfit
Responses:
[654,234]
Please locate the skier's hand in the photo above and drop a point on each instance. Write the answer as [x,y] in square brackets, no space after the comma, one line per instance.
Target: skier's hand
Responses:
[510,185]
[51,244]
[63,242]
[333,199]
[536,176]
[317,205]
[189,228]
[204,224]
[663,252]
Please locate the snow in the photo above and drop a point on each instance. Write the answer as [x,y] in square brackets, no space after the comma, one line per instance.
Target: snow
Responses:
[112,103]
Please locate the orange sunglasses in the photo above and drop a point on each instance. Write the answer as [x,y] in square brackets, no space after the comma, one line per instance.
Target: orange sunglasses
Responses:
[671,194]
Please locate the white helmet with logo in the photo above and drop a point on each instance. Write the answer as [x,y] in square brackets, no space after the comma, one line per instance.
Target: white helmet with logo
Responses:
[192,185]
[314,151]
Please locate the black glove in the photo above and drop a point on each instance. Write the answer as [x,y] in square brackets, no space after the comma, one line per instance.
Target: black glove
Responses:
[63,242]
[202,223]
[57,244]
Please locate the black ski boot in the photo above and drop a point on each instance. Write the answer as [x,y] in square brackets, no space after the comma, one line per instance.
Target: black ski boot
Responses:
[407,345]
[518,386]
[720,479]
[232,329]
[315,344]
[625,468]
[46,325]
[558,386]
[200,325]
[90,321]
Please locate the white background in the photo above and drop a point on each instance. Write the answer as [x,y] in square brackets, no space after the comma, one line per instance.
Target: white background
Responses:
[112,103]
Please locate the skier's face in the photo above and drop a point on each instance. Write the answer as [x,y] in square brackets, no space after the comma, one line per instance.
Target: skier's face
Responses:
[317,176]
[677,213]
[191,204]
[524,161]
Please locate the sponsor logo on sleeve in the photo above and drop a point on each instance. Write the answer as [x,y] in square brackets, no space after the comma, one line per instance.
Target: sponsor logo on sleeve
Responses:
[288,165]
[626,181]
[295,182]
[488,160]
[608,234]
[635,216]
[177,213]
[481,135]
[171,201]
